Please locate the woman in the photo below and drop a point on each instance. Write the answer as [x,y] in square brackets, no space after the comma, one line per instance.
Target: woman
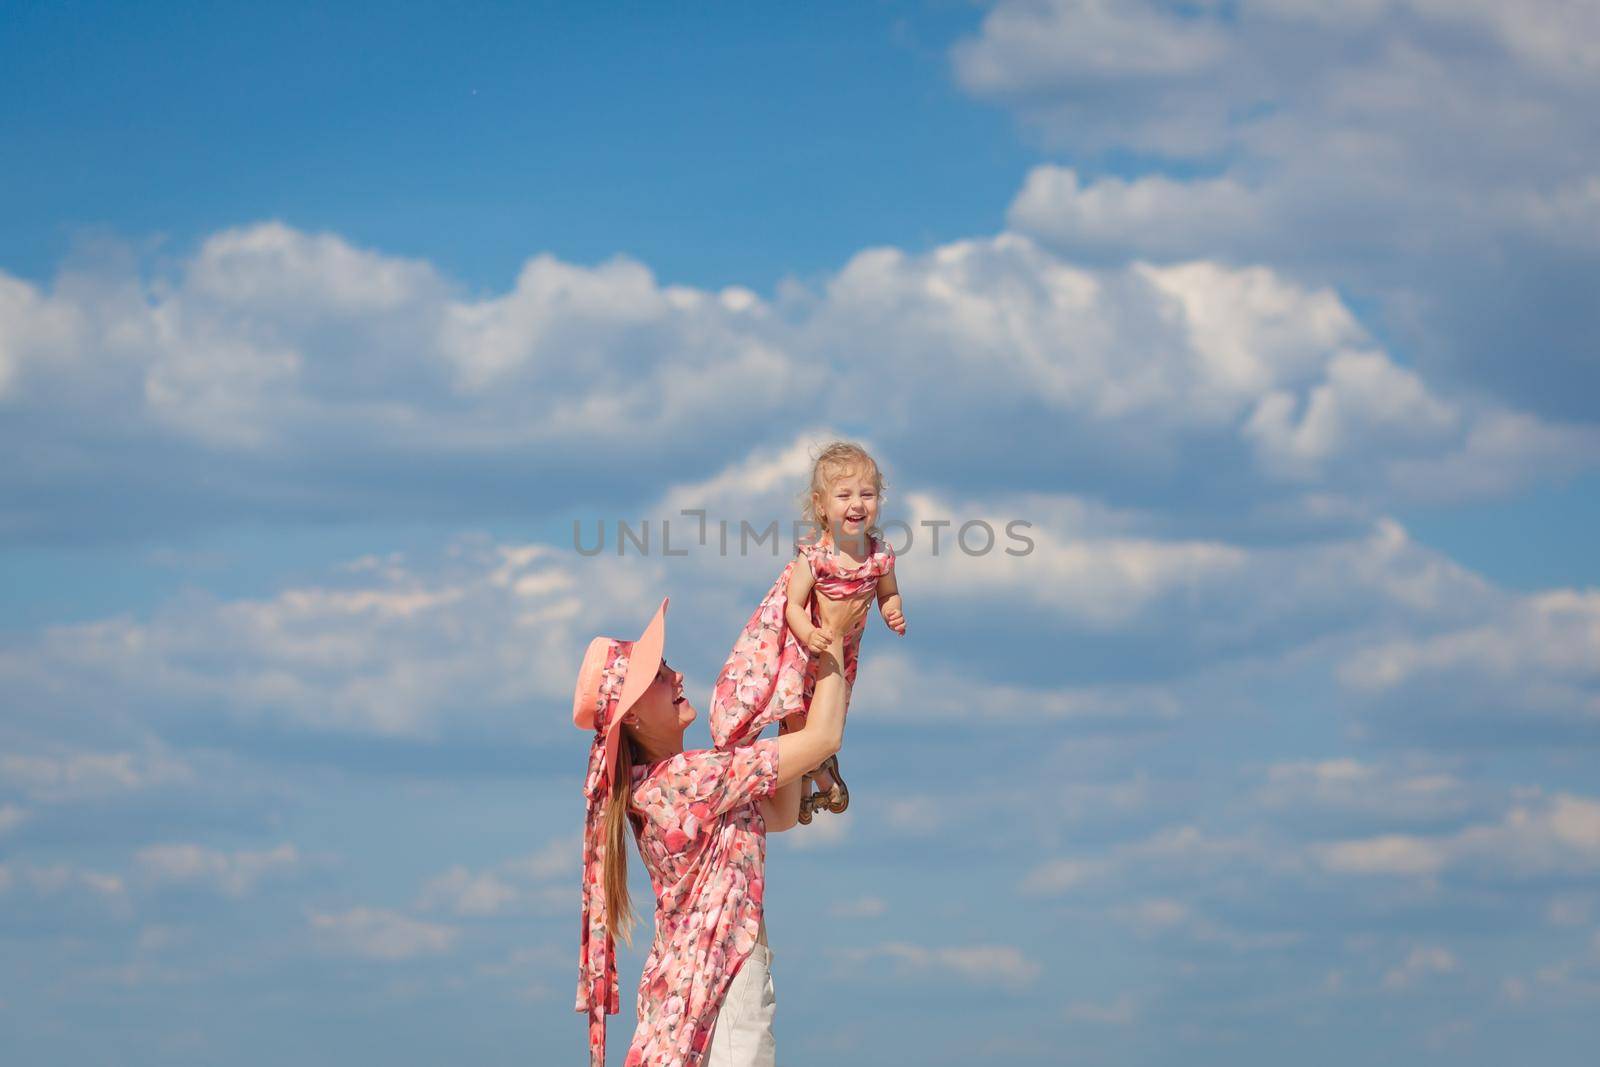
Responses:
[700,821]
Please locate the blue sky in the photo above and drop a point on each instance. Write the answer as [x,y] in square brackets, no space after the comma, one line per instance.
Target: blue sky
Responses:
[728,144]
[318,330]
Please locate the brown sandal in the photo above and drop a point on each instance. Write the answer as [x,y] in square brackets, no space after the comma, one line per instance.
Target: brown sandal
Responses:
[805,800]
[834,800]
[839,795]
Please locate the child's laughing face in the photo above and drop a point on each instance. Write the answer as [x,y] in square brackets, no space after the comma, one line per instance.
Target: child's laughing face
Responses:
[851,505]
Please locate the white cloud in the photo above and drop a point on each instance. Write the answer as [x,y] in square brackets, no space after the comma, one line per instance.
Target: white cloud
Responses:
[1569,909]
[825,831]
[58,878]
[867,907]
[1155,914]
[159,938]
[459,645]
[1033,53]
[70,776]
[1364,398]
[1361,143]
[388,652]
[915,815]
[1154,215]
[900,686]
[1348,786]
[1181,847]
[467,893]
[535,882]
[1403,854]
[1119,1012]
[273,265]
[557,858]
[1538,657]
[1060,875]
[381,934]
[1167,917]
[32,324]
[979,964]
[11,817]
[1098,580]
[1542,835]
[234,874]
[1093,75]
[1422,961]
[1250,330]
[323,362]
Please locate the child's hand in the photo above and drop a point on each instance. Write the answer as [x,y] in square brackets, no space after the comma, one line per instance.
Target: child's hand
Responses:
[895,618]
[821,637]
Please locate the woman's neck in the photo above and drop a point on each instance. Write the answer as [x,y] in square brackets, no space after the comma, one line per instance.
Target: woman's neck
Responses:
[656,749]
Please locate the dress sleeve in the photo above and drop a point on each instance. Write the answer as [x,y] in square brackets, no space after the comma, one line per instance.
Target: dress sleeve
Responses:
[712,782]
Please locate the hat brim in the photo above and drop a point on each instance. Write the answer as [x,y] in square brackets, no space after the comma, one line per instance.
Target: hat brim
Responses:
[644,661]
[583,694]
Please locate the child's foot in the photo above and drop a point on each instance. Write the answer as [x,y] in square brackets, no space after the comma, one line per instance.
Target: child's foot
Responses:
[832,793]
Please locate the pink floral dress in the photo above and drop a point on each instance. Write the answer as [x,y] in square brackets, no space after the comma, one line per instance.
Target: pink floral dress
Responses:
[704,841]
[770,675]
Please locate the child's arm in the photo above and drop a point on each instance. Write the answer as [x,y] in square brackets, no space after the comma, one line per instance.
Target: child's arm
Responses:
[815,638]
[889,603]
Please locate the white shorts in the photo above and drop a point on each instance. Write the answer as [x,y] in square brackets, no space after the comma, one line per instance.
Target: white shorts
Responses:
[742,1036]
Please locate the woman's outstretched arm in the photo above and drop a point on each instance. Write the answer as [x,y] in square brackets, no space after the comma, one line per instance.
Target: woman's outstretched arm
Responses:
[781,810]
[800,752]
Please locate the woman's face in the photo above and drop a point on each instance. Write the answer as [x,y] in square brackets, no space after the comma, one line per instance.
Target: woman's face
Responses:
[663,713]
[851,504]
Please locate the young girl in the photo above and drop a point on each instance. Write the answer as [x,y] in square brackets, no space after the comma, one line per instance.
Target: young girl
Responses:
[771,672]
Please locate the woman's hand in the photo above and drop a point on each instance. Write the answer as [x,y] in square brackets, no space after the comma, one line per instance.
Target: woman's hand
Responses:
[843,616]
[799,752]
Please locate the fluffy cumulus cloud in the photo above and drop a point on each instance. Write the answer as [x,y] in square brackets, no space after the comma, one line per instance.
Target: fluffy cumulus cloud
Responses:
[279,372]
[1175,675]
[378,649]
[457,645]
[1434,158]
[1148,667]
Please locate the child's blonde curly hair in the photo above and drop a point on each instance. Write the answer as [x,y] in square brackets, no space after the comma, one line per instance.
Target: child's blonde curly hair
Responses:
[832,463]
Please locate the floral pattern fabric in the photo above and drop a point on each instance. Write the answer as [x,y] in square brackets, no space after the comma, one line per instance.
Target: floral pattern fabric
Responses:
[597,963]
[770,675]
[703,839]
